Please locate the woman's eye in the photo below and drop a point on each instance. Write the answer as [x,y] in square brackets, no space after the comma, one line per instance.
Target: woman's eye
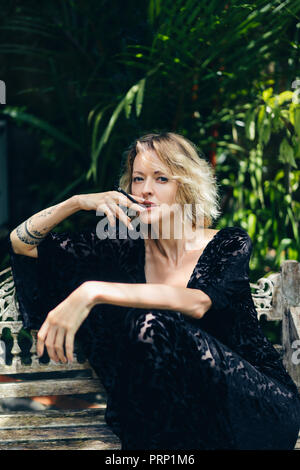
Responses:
[163,178]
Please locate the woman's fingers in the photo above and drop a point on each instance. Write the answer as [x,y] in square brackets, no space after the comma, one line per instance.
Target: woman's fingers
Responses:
[69,345]
[122,197]
[53,338]
[41,336]
[113,211]
[110,206]
[59,344]
[95,200]
[50,341]
[58,330]
[121,214]
[104,208]
[137,198]
[125,201]
[136,207]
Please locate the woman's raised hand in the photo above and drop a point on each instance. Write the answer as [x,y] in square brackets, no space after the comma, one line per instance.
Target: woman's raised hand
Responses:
[108,203]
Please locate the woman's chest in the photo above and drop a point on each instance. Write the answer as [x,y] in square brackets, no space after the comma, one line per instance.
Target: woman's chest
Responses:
[159,271]
[179,276]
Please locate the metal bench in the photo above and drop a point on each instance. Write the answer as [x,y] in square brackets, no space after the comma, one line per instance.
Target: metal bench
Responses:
[276,297]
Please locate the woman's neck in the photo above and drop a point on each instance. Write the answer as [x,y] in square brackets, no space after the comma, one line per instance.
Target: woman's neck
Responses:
[172,250]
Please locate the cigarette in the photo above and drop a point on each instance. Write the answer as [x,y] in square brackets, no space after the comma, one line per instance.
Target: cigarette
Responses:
[129,197]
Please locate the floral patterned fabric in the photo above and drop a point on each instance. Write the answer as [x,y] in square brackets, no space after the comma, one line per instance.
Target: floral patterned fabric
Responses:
[172,382]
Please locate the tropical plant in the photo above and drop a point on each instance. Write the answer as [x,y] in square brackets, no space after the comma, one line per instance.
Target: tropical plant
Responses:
[261,167]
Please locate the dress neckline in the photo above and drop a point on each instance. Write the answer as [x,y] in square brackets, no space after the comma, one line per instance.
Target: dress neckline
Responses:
[143,259]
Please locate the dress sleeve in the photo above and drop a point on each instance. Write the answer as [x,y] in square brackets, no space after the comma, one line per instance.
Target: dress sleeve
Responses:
[64,262]
[225,274]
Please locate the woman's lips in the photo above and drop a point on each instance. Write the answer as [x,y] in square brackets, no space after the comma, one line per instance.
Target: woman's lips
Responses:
[149,205]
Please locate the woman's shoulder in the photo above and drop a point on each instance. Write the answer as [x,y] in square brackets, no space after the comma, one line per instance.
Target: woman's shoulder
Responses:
[234,239]
[233,232]
[223,236]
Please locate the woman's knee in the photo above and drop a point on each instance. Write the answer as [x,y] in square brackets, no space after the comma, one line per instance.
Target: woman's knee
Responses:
[153,326]
[145,330]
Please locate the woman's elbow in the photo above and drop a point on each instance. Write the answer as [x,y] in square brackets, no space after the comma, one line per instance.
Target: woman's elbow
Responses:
[204,305]
[18,247]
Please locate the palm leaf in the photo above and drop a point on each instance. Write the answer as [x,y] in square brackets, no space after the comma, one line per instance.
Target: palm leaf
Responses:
[21,116]
[140,96]
[122,105]
[137,90]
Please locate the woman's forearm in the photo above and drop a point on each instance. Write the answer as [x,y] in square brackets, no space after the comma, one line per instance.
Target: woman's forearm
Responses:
[30,233]
[191,302]
[59,329]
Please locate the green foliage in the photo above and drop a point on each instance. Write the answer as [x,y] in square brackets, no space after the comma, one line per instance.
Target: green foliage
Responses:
[265,179]
[136,92]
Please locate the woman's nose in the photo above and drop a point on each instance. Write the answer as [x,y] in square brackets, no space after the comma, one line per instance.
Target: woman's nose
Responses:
[147,188]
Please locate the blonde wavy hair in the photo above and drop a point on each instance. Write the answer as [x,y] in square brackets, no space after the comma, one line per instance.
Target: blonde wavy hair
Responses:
[196,180]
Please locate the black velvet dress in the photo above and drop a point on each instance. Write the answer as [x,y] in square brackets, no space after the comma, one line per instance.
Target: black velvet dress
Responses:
[172,382]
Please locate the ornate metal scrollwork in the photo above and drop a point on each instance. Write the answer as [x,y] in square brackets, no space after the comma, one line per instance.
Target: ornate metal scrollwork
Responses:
[9,307]
[266,297]
[9,319]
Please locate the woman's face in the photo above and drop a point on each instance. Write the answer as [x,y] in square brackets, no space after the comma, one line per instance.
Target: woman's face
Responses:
[150,181]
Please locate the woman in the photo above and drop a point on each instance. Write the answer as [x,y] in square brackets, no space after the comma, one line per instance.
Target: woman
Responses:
[167,322]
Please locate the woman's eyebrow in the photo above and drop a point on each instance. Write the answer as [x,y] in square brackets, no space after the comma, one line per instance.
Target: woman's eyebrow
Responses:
[141,173]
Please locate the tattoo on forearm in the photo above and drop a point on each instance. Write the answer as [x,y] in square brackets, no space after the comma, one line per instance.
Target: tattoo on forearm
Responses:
[25,236]
[46,212]
[31,236]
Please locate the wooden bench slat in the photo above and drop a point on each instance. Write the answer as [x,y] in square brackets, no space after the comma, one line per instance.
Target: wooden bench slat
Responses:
[33,388]
[107,443]
[17,420]
[55,433]
[38,434]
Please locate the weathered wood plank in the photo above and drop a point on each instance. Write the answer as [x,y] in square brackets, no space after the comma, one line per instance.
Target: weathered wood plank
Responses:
[290,281]
[34,388]
[52,413]
[17,420]
[290,274]
[107,443]
[55,433]
[295,315]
